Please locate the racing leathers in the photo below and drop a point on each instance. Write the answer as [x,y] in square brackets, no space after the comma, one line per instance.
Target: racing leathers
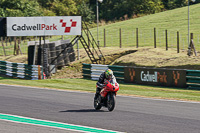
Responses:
[101,81]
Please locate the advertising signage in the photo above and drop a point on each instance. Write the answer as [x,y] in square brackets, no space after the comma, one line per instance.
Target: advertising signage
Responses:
[42,26]
[151,76]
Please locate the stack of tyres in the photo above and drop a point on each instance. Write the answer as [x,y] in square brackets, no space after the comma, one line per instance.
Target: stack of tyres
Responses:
[60,53]
[65,54]
[52,51]
[72,56]
[30,54]
[59,56]
[45,46]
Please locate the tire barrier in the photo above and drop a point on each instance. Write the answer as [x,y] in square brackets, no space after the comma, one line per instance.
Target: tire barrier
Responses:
[56,55]
[20,70]
[59,59]
[52,53]
[93,71]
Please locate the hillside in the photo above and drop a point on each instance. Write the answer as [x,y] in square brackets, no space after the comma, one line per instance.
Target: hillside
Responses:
[149,57]
[145,56]
[173,20]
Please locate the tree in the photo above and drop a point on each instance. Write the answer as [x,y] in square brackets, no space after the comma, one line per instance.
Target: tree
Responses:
[116,9]
[59,7]
[18,8]
[85,11]
[172,4]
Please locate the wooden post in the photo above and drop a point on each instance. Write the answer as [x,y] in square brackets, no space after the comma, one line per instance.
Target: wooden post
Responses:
[6,40]
[39,53]
[177,42]
[19,48]
[104,37]
[191,36]
[137,41]
[120,38]
[39,72]
[154,37]
[15,45]
[166,40]
[191,46]
[3,46]
[10,40]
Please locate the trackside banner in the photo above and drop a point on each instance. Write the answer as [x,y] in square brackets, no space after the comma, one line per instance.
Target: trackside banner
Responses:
[42,26]
[157,76]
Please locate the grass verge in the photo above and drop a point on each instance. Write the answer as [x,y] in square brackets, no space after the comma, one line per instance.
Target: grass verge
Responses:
[125,89]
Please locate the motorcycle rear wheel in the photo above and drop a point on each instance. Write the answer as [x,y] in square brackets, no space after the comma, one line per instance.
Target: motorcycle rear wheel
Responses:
[111,102]
[97,103]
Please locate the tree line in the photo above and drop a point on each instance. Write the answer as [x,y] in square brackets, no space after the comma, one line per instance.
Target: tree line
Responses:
[109,10]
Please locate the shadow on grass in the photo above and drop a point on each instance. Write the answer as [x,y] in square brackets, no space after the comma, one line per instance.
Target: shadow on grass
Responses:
[5,77]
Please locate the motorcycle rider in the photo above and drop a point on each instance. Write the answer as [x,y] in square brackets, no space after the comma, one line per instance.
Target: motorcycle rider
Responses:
[107,75]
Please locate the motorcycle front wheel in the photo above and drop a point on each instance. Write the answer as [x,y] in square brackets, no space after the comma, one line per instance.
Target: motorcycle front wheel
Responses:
[97,103]
[111,101]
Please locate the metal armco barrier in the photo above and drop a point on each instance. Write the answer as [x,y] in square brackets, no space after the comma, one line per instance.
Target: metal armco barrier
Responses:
[20,70]
[140,75]
[193,79]
[149,76]
[93,71]
[97,70]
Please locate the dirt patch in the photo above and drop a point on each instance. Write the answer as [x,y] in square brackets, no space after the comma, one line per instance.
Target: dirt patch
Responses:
[67,72]
[15,58]
[149,57]
[159,58]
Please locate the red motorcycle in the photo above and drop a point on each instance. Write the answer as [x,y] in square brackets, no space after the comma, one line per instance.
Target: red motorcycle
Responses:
[107,96]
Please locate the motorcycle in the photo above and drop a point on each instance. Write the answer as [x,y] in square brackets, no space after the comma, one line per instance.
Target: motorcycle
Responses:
[107,96]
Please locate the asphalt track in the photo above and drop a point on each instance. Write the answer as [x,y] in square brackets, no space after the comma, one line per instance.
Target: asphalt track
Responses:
[132,114]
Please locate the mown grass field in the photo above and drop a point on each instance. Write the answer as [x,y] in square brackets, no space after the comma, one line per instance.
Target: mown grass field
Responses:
[125,89]
[172,20]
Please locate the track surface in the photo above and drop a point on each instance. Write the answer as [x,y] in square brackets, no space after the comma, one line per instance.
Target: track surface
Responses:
[10,127]
[132,115]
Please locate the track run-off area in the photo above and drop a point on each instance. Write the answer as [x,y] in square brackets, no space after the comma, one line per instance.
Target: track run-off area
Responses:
[29,109]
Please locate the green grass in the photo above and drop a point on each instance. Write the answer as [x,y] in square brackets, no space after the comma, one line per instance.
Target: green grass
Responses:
[172,20]
[9,47]
[125,89]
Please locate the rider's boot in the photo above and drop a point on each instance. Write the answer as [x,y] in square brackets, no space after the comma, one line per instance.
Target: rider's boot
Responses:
[97,93]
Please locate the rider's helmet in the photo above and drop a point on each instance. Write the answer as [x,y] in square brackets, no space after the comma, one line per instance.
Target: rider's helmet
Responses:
[109,74]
